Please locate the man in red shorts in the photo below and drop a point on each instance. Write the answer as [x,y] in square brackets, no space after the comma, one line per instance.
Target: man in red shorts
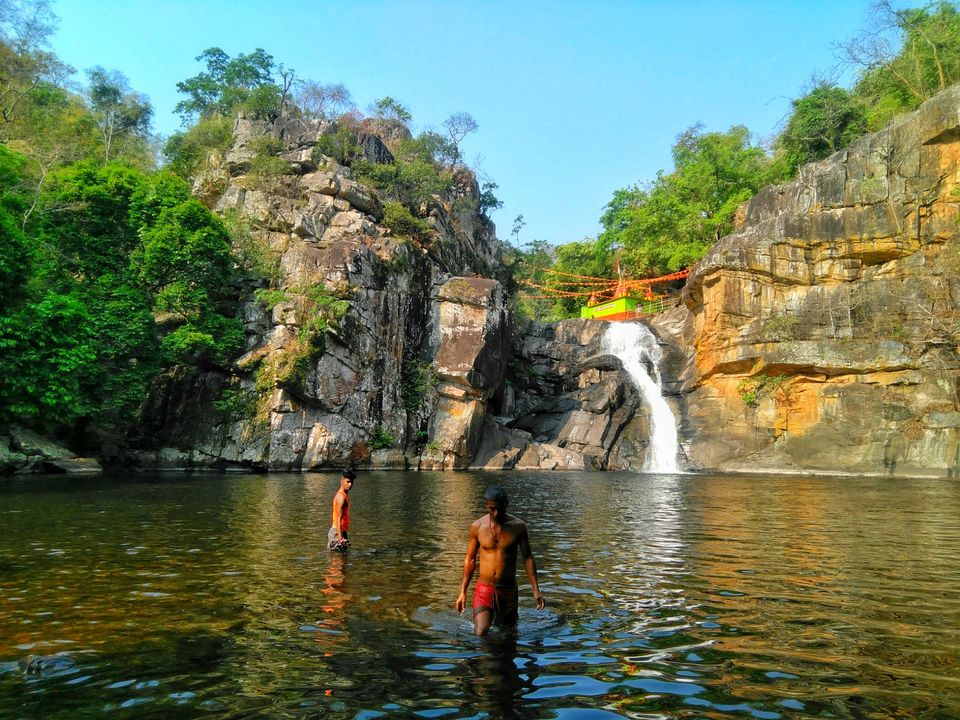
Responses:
[495,539]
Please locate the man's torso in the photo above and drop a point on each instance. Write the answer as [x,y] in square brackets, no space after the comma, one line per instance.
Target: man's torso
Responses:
[499,545]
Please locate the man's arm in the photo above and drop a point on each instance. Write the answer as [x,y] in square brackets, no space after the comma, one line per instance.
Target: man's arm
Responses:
[469,563]
[530,568]
[338,515]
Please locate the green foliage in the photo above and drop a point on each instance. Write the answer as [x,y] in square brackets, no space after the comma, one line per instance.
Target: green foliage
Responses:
[186,152]
[672,222]
[823,121]
[340,145]
[488,201]
[380,439]
[208,339]
[230,85]
[527,265]
[271,298]
[387,108]
[187,248]
[402,222]
[416,175]
[122,116]
[754,388]
[238,403]
[14,250]
[253,255]
[921,60]
[108,248]
[417,379]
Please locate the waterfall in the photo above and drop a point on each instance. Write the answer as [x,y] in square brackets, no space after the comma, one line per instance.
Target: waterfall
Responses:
[633,343]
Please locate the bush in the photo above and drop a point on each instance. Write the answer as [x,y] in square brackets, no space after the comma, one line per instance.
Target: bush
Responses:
[186,152]
[416,380]
[402,222]
[340,145]
[381,439]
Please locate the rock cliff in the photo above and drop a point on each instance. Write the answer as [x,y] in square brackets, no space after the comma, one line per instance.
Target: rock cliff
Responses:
[823,333]
[368,346]
[821,336]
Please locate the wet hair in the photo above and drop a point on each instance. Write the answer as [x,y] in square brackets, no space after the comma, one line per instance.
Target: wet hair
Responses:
[349,474]
[496,494]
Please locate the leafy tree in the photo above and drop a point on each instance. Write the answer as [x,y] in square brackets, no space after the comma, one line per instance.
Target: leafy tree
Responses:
[25,65]
[414,177]
[670,223]
[823,121]
[120,113]
[228,83]
[14,254]
[186,152]
[488,201]
[110,248]
[386,108]
[527,264]
[908,56]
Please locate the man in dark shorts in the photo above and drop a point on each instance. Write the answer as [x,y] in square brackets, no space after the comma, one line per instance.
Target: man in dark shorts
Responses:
[337,537]
[495,539]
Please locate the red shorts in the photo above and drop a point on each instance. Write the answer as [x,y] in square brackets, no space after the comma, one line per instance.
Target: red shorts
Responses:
[501,600]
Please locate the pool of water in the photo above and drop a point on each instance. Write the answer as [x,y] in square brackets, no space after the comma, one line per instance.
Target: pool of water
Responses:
[667,597]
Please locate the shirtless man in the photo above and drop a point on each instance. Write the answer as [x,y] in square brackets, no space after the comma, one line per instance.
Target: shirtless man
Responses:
[337,536]
[496,538]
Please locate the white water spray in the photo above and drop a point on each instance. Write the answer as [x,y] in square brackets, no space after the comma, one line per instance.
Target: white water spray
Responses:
[633,343]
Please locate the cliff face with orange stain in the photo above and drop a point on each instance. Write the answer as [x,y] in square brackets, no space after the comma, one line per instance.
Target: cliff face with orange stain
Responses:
[822,334]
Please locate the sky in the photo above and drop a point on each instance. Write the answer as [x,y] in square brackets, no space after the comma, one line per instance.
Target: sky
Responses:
[573,100]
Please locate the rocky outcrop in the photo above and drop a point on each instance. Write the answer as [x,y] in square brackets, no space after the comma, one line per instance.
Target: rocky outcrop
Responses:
[24,451]
[567,406]
[368,348]
[470,342]
[824,331]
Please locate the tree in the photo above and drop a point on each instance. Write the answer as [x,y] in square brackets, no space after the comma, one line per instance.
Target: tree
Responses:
[386,108]
[458,126]
[906,57]
[671,222]
[25,65]
[825,120]
[228,83]
[121,114]
[14,254]
[326,102]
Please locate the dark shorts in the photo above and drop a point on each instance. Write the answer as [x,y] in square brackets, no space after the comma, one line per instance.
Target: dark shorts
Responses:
[501,600]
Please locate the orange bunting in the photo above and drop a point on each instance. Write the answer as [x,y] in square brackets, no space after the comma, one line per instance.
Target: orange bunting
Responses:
[597,289]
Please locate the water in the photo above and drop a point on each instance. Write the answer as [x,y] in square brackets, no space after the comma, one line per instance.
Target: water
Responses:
[639,350]
[667,597]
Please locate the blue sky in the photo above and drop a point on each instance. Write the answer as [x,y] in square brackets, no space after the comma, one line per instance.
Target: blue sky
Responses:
[573,99]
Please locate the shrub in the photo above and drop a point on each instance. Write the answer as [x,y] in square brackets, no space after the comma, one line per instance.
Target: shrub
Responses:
[340,145]
[380,439]
[270,298]
[186,152]
[237,403]
[416,379]
[402,222]
[752,389]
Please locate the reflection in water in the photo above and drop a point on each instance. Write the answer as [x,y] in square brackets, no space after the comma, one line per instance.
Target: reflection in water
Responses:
[496,678]
[668,597]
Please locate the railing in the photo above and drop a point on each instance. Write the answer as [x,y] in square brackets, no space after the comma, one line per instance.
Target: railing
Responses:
[659,305]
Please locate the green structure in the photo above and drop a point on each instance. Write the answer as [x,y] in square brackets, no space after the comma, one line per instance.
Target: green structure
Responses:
[621,308]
